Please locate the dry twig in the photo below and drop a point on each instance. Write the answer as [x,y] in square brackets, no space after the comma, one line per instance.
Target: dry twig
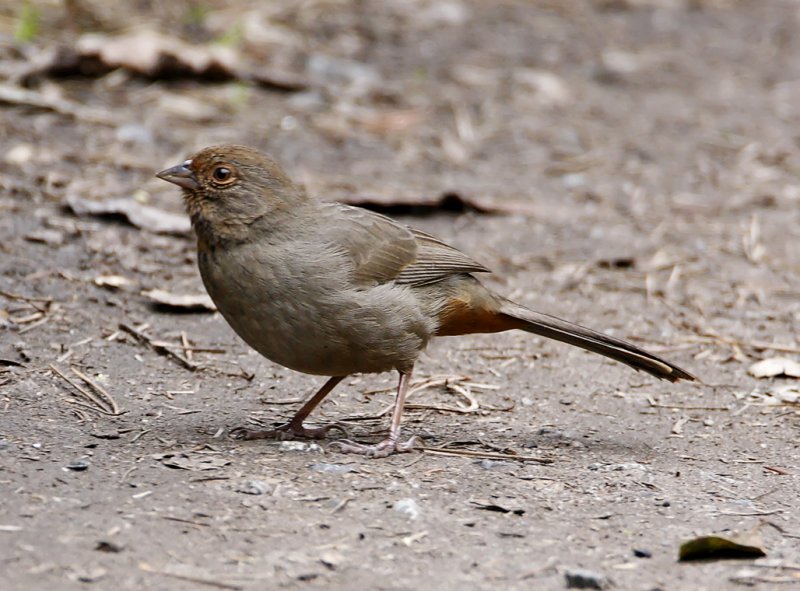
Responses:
[484,455]
[189,348]
[449,382]
[110,402]
[186,348]
[160,349]
[708,336]
[655,404]
[99,404]
[143,566]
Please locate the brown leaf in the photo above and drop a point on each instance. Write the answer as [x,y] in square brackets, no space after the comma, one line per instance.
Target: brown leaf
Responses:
[152,55]
[736,545]
[448,201]
[141,216]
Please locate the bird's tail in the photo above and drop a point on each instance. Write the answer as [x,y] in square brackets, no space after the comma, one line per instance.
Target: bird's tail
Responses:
[554,328]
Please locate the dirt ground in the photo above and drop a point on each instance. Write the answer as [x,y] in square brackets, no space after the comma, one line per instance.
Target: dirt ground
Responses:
[640,162]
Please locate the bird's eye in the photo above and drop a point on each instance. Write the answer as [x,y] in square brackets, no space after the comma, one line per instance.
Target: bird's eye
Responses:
[222,174]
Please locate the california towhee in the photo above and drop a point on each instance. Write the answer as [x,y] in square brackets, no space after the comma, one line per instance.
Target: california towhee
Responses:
[329,289]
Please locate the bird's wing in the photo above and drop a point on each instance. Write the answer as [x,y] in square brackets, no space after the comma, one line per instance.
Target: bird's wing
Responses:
[436,260]
[384,250]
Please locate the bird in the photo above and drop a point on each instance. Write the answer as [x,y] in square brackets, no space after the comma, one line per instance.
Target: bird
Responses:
[330,289]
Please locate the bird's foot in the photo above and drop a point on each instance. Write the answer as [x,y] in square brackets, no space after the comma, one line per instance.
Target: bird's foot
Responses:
[285,432]
[383,449]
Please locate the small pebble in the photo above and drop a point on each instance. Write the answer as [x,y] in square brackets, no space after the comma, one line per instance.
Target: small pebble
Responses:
[494,464]
[331,468]
[552,432]
[106,546]
[574,180]
[78,465]
[109,434]
[579,578]
[254,487]
[92,575]
[299,446]
[622,467]
[288,123]
[19,154]
[407,507]
[639,553]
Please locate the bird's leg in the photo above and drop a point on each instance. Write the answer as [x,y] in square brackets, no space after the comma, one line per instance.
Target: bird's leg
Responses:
[391,444]
[294,428]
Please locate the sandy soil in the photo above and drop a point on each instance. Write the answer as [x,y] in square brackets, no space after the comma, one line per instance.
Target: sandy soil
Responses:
[644,154]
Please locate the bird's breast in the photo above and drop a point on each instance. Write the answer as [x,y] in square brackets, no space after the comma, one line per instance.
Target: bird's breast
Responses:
[299,310]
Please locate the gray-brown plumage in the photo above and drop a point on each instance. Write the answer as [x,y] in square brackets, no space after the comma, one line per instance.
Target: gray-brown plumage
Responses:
[329,289]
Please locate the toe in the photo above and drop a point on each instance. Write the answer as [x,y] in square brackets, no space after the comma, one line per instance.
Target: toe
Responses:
[410,444]
[381,450]
[245,434]
[346,446]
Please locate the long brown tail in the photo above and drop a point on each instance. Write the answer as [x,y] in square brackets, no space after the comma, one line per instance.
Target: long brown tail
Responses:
[573,334]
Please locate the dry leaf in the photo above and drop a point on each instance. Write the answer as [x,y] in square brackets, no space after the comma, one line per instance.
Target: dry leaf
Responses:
[774,396]
[151,54]
[154,55]
[186,302]
[111,281]
[735,545]
[775,366]
[46,236]
[448,201]
[195,464]
[141,216]
[786,394]
[491,506]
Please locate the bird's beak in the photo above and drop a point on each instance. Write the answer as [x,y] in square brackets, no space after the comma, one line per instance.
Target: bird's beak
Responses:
[180,175]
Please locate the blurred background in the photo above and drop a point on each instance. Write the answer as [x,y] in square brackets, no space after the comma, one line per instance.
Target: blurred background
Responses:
[648,105]
[624,121]
[631,165]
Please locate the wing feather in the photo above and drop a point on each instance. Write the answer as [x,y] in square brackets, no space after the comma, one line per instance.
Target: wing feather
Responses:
[384,250]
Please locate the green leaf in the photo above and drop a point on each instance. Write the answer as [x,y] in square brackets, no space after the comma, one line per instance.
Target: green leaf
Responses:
[27,25]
